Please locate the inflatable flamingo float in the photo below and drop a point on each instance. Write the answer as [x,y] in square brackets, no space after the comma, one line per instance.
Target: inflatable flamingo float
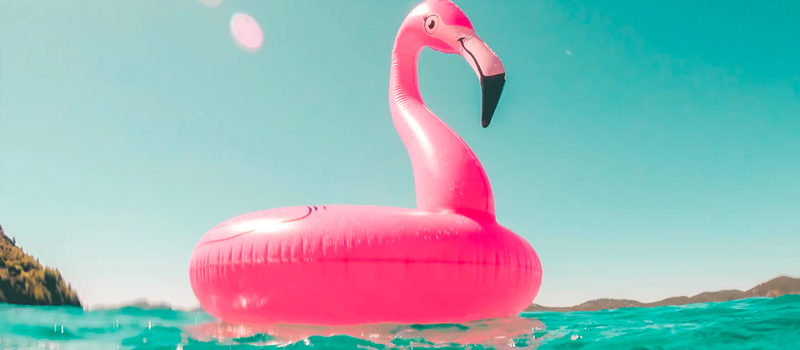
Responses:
[448,261]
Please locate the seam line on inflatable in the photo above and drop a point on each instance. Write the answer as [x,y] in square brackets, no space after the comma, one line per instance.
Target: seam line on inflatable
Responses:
[246,232]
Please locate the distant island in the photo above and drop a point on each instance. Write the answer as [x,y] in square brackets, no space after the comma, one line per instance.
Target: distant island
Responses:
[24,281]
[773,288]
[140,303]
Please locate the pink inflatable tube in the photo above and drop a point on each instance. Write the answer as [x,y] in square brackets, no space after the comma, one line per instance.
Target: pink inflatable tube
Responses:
[448,261]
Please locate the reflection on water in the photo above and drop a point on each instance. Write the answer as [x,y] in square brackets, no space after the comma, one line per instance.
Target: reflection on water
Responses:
[512,332]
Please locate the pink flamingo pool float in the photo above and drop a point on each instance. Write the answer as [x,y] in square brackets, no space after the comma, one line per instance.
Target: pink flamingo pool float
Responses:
[448,261]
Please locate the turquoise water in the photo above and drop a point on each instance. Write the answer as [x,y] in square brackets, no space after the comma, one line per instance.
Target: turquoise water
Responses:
[757,323]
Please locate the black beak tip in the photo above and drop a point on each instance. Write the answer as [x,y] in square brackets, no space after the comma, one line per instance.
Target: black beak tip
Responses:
[492,89]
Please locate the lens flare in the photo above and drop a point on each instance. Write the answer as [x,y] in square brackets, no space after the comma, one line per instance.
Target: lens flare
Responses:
[246,32]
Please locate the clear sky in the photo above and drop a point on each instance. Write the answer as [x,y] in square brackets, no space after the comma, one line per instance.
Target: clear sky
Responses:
[645,149]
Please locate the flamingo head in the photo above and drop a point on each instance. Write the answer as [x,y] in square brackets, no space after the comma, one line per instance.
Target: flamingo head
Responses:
[443,27]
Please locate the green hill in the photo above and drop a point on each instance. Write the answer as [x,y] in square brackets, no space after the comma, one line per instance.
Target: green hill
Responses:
[24,281]
[773,288]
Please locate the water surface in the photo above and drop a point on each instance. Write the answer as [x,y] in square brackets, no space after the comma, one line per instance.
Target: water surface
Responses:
[758,323]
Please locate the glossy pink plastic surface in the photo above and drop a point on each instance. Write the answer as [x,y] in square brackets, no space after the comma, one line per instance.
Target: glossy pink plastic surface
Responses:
[448,261]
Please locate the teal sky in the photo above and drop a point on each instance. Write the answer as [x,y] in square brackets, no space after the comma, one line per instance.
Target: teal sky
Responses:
[645,149]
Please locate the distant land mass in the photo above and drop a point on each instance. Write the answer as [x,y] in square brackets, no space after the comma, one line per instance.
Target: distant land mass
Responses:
[24,281]
[773,288]
[141,303]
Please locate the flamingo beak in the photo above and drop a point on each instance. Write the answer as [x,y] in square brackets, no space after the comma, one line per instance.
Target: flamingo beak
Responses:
[489,69]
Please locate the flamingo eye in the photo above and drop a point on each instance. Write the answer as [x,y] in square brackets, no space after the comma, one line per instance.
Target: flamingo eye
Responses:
[431,24]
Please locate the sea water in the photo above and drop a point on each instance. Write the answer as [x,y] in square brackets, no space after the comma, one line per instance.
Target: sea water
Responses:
[758,323]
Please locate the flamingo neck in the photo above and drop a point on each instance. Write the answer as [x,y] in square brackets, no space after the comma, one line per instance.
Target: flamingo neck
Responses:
[447,174]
